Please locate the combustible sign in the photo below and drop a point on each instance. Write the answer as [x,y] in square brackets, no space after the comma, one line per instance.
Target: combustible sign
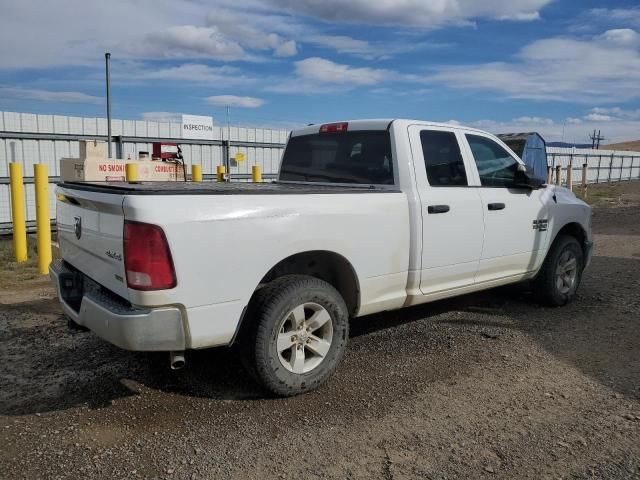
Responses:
[195,126]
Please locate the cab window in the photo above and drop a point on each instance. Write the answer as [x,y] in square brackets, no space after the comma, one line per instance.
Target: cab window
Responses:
[496,167]
[442,159]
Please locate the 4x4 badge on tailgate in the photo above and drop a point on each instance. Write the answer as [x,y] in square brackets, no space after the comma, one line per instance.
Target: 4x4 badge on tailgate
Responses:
[114,255]
[77,227]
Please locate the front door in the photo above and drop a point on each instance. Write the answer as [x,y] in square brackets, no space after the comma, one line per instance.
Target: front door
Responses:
[515,218]
[452,218]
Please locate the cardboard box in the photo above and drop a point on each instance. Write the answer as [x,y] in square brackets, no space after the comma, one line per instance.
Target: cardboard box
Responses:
[113,170]
[94,149]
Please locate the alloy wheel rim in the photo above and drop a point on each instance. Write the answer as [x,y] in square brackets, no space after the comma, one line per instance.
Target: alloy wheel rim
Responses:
[304,337]
[566,272]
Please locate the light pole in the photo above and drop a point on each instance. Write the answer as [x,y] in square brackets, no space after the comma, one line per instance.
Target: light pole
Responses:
[107,62]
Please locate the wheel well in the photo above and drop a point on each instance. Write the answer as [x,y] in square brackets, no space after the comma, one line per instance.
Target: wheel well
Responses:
[575,230]
[328,266]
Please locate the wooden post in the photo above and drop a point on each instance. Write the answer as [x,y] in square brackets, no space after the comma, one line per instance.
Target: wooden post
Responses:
[558,173]
[584,179]
[610,168]
[621,167]
[570,174]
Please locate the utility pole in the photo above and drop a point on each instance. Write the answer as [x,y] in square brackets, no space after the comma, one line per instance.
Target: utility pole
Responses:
[107,62]
[596,139]
[228,143]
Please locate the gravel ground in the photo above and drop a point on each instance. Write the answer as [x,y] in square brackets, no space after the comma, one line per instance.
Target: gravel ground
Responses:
[489,385]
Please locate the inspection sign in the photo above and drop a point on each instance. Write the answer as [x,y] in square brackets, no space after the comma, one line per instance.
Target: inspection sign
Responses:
[197,127]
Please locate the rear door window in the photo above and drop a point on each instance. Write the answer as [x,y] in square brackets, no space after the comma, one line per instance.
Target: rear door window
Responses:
[361,157]
[442,159]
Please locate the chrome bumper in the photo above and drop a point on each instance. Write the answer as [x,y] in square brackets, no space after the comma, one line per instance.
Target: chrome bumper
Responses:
[109,317]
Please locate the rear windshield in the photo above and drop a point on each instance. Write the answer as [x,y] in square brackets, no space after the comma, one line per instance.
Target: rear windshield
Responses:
[362,157]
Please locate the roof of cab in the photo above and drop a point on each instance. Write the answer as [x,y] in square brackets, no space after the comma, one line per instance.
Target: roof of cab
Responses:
[376,124]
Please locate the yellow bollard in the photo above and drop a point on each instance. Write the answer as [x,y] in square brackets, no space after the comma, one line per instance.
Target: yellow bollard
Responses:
[43,219]
[131,171]
[196,173]
[256,173]
[220,172]
[17,213]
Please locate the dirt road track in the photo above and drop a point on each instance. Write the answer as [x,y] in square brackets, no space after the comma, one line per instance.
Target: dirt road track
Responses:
[485,386]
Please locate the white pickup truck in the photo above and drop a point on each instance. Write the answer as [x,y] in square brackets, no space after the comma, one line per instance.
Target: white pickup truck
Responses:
[366,216]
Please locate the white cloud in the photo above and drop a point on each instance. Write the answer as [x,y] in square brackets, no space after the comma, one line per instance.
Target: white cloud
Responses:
[616,113]
[533,121]
[416,13]
[323,71]
[371,50]
[625,37]
[560,69]
[187,41]
[626,16]
[256,31]
[343,44]
[571,129]
[235,101]
[78,32]
[286,49]
[195,73]
[521,17]
[598,117]
[49,96]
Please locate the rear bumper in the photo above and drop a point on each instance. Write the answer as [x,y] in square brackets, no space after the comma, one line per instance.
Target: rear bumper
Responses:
[126,326]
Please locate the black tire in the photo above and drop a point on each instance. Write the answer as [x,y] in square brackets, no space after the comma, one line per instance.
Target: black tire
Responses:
[269,307]
[545,285]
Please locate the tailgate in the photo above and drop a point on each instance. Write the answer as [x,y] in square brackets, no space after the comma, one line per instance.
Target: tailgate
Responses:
[90,231]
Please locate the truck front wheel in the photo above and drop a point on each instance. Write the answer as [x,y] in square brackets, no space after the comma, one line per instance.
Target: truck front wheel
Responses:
[298,335]
[557,282]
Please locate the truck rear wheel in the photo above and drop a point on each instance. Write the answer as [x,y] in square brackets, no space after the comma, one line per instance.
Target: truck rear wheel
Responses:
[298,334]
[560,275]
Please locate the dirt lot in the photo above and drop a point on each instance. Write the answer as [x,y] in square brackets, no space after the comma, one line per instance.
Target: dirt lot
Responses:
[485,386]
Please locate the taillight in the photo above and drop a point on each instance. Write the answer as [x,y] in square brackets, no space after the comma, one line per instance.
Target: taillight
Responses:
[334,127]
[147,259]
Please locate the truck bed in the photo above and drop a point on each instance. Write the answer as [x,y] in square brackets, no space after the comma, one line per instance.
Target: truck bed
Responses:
[224,188]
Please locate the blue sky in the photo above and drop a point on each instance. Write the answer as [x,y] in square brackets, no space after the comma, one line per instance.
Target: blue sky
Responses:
[562,67]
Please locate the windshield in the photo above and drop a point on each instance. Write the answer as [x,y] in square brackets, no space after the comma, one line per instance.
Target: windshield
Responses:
[362,157]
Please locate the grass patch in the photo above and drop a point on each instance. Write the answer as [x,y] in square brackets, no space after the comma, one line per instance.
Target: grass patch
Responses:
[13,273]
[601,195]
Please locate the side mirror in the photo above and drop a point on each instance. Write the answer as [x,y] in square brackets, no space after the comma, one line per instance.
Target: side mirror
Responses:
[525,178]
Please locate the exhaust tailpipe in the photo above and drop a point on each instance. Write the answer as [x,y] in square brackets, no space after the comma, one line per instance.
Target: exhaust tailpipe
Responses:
[176,360]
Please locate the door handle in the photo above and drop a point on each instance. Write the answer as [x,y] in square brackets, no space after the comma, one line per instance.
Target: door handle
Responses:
[496,206]
[438,208]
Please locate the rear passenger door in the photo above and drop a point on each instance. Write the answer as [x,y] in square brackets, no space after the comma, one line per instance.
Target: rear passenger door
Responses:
[514,218]
[452,220]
